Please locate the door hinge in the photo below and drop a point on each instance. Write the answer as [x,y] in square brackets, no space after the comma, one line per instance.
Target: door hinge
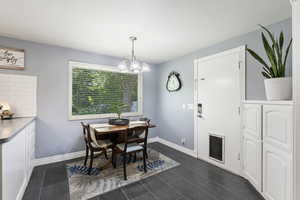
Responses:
[239,156]
[240,64]
[239,110]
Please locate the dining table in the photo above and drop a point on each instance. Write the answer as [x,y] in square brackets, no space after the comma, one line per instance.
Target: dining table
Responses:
[107,129]
[113,131]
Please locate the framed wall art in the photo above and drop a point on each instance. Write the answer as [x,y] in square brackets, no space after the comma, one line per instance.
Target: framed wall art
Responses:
[11,58]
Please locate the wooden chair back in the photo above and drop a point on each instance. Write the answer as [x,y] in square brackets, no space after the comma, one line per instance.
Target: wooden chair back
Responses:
[131,131]
[85,132]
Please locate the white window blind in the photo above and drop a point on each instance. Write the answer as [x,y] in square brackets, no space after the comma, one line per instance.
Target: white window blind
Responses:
[96,90]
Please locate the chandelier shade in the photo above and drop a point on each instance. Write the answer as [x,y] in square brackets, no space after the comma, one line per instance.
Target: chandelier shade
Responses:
[133,65]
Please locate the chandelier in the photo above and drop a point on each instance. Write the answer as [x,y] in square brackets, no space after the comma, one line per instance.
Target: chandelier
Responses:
[133,65]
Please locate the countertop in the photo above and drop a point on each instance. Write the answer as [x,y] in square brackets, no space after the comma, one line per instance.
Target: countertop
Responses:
[10,128]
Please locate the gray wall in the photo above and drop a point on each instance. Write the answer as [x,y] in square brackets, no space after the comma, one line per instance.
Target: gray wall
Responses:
[55,133]
[176,123]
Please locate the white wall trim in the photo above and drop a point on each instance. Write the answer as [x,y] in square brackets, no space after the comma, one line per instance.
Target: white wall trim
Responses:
[296,96]
[178,147]
[58,158]
[69,156]
[78,154]
[154,139]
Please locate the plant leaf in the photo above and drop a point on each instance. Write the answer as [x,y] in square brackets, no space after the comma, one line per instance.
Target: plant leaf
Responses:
[266,75]
[286,53]
[269,33]
[268,71]
[257,57]
[281,40]
[270,53]
[278,48]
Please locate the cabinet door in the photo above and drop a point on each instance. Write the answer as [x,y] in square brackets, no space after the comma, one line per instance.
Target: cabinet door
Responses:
[14,167]
[277,169]
[252,161]
[30,147]
[278,126]
[252,120]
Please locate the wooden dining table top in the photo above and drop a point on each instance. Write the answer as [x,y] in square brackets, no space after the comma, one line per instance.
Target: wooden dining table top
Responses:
[105,128]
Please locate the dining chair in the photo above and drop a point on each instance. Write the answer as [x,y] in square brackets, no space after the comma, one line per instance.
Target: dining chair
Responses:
[95,145]
[140,134]
[131,146]
[85,136]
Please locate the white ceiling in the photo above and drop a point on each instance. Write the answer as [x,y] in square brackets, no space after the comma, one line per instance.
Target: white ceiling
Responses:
[165,29]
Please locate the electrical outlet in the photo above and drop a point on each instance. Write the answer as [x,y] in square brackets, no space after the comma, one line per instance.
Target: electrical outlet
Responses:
[190,106]
[183,141]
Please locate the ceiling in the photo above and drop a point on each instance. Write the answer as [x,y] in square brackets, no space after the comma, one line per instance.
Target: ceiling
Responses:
[166,29]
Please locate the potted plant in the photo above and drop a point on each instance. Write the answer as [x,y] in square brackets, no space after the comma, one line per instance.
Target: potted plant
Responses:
[118,108]
[277,85]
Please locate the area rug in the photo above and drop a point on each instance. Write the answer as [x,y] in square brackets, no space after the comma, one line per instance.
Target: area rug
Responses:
[83,186]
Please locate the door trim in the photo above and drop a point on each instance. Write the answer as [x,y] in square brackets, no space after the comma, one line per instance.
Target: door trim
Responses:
[242,65]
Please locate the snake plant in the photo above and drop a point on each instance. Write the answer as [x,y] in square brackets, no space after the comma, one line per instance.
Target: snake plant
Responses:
[275,53]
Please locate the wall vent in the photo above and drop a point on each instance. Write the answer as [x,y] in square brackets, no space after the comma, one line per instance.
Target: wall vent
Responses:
[217,148]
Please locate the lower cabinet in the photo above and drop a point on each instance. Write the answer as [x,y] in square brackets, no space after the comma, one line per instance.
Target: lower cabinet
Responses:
[268,149]
[252,161]
[277,174]
[17,163]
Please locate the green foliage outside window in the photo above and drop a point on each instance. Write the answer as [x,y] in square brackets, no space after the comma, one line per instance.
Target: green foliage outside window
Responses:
[97,91]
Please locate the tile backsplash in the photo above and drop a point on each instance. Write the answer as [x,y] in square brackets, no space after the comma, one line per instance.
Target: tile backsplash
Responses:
[20,92]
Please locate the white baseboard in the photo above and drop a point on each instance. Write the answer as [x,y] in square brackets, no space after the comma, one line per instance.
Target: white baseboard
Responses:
[58,158]
[70,156]
[177,147]
[154,139]
[73,155]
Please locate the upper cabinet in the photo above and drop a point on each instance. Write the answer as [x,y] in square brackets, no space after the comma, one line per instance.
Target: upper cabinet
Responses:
[278,126]
[252,120]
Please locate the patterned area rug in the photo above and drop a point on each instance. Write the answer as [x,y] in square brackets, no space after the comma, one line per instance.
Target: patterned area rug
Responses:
[83,186]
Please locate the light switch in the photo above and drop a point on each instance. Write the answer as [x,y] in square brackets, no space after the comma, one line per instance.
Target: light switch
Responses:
[183,106]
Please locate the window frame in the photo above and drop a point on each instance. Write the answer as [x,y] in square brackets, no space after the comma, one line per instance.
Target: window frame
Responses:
[82,65]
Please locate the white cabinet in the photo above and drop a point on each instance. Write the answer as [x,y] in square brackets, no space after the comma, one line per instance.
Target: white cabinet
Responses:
[17,163]
[277,170]
[30,150]
[267,130]
[278,126]
[252,161]
[252,144]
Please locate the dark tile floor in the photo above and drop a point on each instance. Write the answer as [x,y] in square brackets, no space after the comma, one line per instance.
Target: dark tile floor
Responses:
[193,179]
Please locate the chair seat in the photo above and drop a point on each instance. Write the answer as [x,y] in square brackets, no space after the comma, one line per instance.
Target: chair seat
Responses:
[102,144]
[130,147]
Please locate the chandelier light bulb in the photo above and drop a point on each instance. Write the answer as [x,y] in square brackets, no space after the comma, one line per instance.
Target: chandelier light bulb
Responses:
[133,65]
[145,67]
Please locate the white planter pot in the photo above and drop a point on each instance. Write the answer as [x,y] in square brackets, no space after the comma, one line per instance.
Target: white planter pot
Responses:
[279,88]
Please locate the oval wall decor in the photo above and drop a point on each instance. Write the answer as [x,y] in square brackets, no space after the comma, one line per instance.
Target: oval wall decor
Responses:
[173,82]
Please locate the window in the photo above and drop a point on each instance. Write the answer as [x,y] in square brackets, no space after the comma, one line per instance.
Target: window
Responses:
[95,90]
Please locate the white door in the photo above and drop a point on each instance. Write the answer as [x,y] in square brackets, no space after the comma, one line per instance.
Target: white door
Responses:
[277,172]
[252,144]
[219,90]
